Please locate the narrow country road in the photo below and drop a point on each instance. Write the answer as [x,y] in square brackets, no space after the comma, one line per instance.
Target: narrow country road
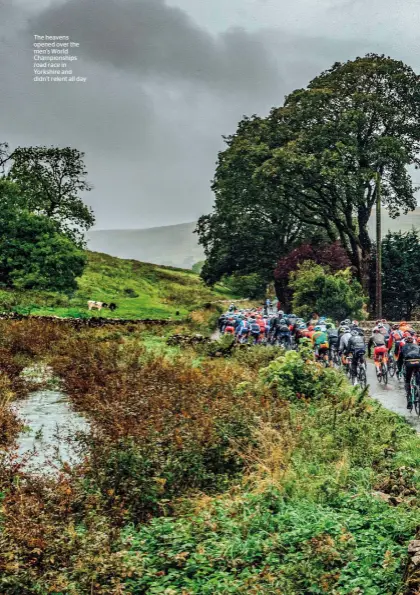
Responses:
[391,396]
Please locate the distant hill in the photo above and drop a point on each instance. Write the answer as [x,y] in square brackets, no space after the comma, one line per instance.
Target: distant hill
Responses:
[177,245]
[173,245]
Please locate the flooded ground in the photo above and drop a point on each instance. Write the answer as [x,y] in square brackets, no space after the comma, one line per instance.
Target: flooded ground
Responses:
[50,424]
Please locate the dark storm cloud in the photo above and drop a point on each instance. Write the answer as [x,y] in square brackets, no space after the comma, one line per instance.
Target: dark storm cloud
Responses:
[161,92]
[151,39]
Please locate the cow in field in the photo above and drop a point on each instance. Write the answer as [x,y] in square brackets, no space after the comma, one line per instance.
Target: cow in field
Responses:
[96,305]
[99,305]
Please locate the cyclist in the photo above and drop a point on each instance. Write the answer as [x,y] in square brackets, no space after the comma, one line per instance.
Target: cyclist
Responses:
[400,360]
[376,340]
[343,338]
[320,343]
[275,323]
[355,327]
[384,331]
[242,330]
[410,355]
[379,342]
[386,325]
[284,334]
[332,333]
[255,330]
[356,346]
[323,324]
[395,338]
[302,333]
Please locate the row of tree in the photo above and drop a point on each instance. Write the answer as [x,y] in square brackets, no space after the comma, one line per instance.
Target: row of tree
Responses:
[312,171]
[43,218]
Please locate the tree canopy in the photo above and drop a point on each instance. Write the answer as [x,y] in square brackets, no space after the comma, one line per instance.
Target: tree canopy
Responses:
[50,182]
[401,274]
[251,226]
[318,161]
[34,255]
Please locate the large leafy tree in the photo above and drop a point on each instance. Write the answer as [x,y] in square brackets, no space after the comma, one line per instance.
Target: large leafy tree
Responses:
[326,153]
[401,274]
[251,225]
[50,182]
[356,129]
[34,255]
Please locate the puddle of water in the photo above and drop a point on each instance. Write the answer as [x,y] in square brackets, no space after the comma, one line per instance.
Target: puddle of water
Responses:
[49,422]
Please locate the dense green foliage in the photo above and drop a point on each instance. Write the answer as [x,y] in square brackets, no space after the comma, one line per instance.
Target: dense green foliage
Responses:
[262,543]
[317,161]
[33,255]
[315,289]
[401,274]
[262,472]
[247,286]
[49,182]
[331,255]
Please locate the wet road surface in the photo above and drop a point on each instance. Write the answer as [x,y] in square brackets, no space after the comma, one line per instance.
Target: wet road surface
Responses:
[391,396]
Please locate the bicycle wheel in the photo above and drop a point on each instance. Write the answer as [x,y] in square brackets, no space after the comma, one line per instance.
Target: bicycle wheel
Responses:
[392,366]
[416,401]
[379,373]
[384,373]
[362,377]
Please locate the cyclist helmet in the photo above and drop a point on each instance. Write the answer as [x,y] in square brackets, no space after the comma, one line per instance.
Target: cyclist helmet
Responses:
[317,328]
[328,325]
[409,339]
[302,327]
[310,327]
[354,333]
[395,327]
[403,323]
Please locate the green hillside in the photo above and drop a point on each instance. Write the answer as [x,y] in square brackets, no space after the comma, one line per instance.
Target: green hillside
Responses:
[140,290]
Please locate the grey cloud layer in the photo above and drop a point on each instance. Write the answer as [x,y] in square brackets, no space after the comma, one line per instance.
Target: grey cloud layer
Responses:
[152,39]
[161,93]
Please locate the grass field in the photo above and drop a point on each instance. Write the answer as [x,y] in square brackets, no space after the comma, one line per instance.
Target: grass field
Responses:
[140,291]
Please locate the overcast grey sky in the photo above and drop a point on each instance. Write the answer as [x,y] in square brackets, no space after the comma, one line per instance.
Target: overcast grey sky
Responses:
[166,79]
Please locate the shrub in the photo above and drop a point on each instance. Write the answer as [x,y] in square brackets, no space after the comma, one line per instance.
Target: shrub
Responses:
[295,375]
[129,292]
[316,290]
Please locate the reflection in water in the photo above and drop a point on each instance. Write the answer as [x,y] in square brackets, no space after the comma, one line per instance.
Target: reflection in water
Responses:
[50,424]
